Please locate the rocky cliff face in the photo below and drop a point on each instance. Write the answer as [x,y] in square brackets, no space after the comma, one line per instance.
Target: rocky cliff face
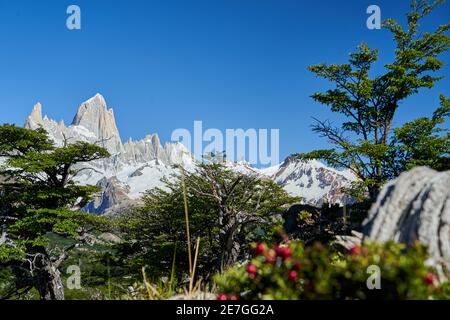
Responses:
[94,116]
[415,206]
[113,192]
[138,165]
[94,122]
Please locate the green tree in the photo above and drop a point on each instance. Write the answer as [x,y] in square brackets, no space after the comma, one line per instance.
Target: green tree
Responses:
[227,210]
[421,142]
[362,143]
[38,197]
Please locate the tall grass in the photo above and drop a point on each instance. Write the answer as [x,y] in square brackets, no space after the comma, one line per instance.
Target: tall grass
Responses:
[186,216]
[172,274]
[159,291]
[191,282]
[192,265]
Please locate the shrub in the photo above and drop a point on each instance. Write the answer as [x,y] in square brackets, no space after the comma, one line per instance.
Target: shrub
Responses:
[294,272]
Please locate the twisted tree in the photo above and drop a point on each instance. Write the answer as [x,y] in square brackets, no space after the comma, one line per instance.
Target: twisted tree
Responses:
[226,209]
[38,197]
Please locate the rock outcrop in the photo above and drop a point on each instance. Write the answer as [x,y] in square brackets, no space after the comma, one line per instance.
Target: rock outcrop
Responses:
[415,206]
[113,193]
[35,116]
[94,115]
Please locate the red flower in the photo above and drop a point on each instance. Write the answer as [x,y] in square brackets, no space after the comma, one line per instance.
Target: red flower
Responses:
[221,296]
[287,253]
[279,251]
[292,275]
[271,256]
[355,250]
[251,270]
[234,298]
[283,252]
[296,266]
[431,279]
[260,249]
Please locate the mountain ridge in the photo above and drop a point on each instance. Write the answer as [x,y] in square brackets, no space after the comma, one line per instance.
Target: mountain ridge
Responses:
[138,165]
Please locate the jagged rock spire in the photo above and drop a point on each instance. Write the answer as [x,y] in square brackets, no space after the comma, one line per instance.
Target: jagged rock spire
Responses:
[95,116]
[35,117]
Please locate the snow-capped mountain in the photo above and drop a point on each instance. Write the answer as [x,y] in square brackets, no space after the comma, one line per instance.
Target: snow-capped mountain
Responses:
[312,180]
[136,166]
[95,123]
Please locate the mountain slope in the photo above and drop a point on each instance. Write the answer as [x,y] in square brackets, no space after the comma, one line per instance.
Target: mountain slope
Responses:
[312,180]
[136,166]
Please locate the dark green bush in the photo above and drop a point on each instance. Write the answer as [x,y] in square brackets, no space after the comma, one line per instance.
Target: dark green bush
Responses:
[293,272]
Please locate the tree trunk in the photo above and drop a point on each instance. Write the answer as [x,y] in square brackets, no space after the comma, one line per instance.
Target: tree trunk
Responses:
[227,239]
[232,249]
[49,282]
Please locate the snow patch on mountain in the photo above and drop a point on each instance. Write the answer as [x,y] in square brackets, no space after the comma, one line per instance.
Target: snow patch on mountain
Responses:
[139,165]
[316,183]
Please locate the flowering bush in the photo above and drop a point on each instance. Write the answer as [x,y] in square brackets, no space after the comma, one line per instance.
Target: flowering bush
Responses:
[293,272]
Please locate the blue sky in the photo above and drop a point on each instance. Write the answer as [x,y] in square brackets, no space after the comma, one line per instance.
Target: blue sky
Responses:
[163,64]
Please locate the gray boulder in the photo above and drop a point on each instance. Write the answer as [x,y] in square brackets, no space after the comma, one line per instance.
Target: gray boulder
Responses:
[415,206]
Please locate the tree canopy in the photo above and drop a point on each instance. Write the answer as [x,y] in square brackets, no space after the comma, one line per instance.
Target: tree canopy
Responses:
[227,210]
[38,196]
[369,103]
